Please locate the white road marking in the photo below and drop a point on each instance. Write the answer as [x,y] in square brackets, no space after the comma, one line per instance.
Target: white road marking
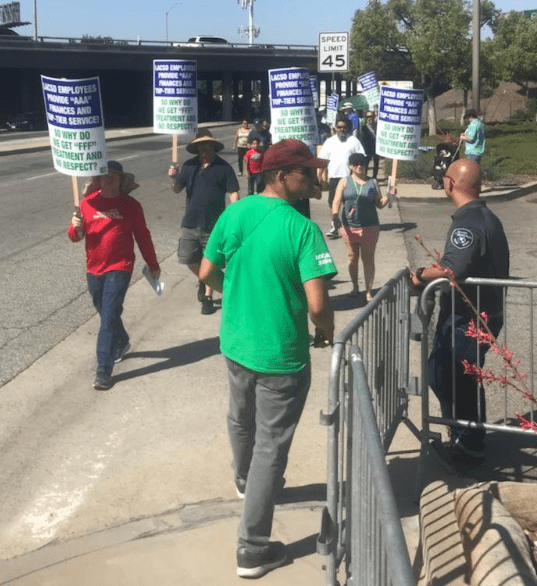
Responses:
[40,176]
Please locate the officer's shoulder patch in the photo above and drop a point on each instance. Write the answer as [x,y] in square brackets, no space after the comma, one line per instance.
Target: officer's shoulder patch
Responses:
[462,238]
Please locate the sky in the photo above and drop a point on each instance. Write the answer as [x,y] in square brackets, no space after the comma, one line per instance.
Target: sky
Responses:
[287,22]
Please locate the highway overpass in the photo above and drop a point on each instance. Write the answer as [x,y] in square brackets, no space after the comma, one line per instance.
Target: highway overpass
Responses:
[125,71]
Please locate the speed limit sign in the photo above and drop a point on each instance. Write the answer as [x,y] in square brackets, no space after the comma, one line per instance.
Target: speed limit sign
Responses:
[333,52]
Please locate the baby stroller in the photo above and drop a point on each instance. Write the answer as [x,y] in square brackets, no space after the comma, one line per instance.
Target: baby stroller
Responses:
[446,153]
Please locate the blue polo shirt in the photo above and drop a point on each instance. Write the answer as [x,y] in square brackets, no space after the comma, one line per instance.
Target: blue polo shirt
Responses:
[206,191]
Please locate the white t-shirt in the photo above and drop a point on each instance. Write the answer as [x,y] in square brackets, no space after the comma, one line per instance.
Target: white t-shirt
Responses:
[338,153]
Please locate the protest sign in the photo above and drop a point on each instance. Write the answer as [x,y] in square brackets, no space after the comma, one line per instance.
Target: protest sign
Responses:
[76,125]
[331,109]
[399,123]
[314,84]
[175,98]
[370,87]
[291,106]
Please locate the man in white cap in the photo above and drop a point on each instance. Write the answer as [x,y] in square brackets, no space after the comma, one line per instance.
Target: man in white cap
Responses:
[207,179]
[352,116]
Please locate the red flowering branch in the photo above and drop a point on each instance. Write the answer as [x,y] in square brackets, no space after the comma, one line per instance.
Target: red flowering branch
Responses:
[483,335]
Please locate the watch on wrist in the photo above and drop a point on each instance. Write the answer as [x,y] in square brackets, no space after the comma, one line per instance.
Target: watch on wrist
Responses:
[419,273]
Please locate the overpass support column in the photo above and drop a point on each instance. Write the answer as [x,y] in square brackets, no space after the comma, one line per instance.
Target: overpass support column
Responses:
[227,96]
[265,106]
[247,98]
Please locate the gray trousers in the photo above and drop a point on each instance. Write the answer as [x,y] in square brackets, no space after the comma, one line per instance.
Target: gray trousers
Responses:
[264,411]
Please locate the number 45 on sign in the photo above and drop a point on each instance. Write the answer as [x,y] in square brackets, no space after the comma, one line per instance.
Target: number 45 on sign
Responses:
[333,52]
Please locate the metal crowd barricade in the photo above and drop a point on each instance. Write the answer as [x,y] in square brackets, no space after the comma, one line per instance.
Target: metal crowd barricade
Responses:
[367,400]
[518,315]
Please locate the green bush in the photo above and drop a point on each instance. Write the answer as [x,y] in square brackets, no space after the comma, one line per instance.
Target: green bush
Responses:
[420,169]
[511,148]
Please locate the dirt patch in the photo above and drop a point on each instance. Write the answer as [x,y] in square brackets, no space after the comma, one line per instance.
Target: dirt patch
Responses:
[506,99]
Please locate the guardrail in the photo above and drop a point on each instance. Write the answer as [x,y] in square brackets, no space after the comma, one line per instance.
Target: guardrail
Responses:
[367,400]
[142,42]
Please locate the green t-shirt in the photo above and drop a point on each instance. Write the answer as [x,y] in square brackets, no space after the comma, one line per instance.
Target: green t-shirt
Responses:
[268,250]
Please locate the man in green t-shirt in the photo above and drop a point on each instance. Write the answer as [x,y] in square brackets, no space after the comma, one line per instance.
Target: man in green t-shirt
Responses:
[276,263]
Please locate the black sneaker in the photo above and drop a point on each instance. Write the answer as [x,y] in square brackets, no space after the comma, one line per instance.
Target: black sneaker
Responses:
[103,382]
[255,565]
[207,305]
[201,291]
[333,233]
[120,354]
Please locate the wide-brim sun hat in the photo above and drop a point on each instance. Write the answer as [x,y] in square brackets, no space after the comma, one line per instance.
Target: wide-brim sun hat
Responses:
[203,136]
[289,152]
[127,184]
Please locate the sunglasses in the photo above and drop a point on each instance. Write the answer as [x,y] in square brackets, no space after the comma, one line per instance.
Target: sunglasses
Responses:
[306,171]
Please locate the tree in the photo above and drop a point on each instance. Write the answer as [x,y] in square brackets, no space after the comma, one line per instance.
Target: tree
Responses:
[513,49]
[428,41]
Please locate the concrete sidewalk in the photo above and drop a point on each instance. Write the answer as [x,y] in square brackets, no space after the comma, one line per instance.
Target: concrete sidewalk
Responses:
[195,542]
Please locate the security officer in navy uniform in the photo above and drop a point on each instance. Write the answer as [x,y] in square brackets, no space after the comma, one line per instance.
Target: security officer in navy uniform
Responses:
[476,246]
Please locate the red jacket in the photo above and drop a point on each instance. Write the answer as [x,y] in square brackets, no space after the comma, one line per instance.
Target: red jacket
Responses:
[110,226]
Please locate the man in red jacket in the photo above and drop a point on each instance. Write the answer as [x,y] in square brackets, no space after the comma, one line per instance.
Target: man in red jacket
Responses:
[109,219]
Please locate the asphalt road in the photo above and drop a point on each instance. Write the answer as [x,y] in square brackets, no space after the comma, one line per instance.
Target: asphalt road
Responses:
[43,297]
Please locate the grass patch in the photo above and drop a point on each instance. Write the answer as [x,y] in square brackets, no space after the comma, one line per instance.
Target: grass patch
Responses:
[511,149]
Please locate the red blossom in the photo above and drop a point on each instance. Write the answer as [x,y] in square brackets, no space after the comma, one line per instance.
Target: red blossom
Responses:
[526,423]
[483,337]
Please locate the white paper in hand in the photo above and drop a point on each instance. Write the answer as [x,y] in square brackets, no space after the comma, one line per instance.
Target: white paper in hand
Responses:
[157,286]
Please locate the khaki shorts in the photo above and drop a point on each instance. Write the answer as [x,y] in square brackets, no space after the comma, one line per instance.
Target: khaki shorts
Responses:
[191,245]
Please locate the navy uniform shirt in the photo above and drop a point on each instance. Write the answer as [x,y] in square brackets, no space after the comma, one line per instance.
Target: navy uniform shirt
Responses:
[206,191]
[476,246]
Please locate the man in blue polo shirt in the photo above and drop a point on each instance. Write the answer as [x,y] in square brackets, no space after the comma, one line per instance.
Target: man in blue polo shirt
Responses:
[207,179]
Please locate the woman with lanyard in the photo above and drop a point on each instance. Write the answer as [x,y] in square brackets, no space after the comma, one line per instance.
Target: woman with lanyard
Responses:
[360,196]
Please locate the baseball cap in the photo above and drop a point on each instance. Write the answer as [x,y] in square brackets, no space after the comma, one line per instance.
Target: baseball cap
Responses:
[357,159]
[289,152]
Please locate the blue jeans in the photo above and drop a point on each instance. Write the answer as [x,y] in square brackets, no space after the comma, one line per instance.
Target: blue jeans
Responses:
[108,293]
[264,411]
[255,183]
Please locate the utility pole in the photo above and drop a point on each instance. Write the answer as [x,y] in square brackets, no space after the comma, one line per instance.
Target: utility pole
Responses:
[35,20]
[251,30]
[476,26]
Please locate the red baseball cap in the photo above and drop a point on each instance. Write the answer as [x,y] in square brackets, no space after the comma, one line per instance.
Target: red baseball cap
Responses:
[289,152]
